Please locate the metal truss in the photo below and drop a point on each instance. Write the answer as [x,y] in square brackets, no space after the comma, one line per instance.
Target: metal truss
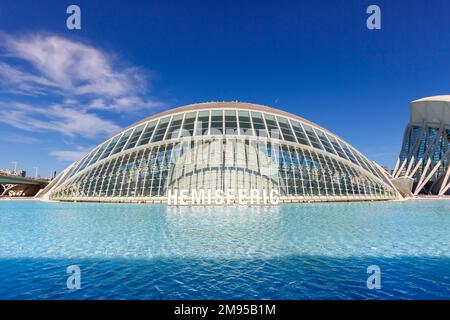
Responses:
[425,157]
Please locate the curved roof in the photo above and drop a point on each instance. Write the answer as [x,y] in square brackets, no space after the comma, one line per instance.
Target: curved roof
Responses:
[225,104]
[435,110]
[441,98]
[157,129]
[142,133]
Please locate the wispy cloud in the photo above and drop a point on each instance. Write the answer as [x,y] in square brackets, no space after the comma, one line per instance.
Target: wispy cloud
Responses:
[52,65]
[52,83]
[16,81]
[57,118]
[70,155]
[16,138]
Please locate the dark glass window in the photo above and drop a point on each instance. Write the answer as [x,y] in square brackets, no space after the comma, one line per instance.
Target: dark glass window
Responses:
[272,126]
[258,124]
[230,122]
[134,138]
[88,159]
[216,122]
[288,135]
[174,130]
[336,146]
[245,126]
[325,142]
[147,133]
[299,133]
[349,154]
[188,125]
[121,142]
[202,123]
[312,137]
[110,147]
[98,153]
[161,129]
[80,164]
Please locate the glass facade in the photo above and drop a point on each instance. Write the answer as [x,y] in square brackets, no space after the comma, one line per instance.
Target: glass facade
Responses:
[425,157]
[219,147]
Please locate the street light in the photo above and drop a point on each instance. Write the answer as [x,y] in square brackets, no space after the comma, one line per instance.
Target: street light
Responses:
[35,171]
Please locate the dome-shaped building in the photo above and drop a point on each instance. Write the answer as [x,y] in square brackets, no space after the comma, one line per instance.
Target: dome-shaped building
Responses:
[222,153]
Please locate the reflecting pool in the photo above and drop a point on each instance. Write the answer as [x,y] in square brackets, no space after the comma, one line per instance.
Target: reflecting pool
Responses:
[311,251]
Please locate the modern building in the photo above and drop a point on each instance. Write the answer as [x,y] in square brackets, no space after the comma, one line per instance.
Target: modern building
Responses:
[425,154]
[222,153]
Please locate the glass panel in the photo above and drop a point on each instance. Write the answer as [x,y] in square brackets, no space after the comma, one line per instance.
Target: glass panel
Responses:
[88,159]
[337,147]
[245,126]
[230,122]
[79,165]
[288,135]
[134,138]
[349,154]
[122,142]
[272,126]
[202,123]
[174,129]
[216,122]
[258,124]
[98,153]
[312,137]
[110,147]
[324,141]
[188,125]
[161,129]
[147,133]
[300,133]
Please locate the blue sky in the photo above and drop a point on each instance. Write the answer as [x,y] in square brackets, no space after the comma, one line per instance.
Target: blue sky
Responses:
[62,92]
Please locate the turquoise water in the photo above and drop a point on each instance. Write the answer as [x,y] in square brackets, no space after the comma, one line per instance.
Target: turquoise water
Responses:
[313,251]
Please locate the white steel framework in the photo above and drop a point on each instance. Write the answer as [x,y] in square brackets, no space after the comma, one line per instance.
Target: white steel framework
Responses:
[217,146]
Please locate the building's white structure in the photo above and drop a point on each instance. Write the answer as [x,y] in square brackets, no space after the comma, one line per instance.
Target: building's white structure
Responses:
[223,153]
[425,152]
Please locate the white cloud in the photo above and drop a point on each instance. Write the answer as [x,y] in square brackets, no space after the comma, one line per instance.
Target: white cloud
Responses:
[19,138]
[70,155]
[53,84]
[57,118]
[53,65]
[50,83]
[74,67]
[19,82]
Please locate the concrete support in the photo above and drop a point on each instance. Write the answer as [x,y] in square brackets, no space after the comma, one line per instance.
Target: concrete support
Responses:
[445,185]
[6,188]
[397,174]
[419,187]
[409,166]
[416,168]
[397,164]
[422,176]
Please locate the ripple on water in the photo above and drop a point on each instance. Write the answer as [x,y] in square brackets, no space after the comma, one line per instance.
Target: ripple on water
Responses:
[315,251]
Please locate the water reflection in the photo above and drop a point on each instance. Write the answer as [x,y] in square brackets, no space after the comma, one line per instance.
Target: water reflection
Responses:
[226,232]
